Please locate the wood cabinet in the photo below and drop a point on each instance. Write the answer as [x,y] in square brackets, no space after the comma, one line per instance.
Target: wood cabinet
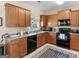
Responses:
[74,17]
[46,38]
[22,17]
[23,46]
[11,13]
[52,20]
[41,39]
[17,16]
[51,38]
[74,42]
[28,18]
[13,49]
[44,20]
[17,48]
[64,14]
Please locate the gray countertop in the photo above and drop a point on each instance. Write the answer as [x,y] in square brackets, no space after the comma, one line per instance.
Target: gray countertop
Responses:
[30,34]
[1,45]
[74,34]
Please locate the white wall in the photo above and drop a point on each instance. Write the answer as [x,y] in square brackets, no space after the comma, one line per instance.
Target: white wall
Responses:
[4,29]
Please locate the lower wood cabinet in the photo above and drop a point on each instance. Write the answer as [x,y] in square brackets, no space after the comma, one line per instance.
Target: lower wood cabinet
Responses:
[17,48]
[41,39]
[74,42]
[46,38]
[51,38]
[13,49]
[23,46]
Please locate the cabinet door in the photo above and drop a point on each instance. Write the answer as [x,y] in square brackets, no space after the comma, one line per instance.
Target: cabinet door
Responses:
[64,14]
[43,20]
[40,40]
[23,46]
[13,49]
[11,15]
[28,18]
[55,18]
[52,20]
[60,15]
[74,17]
[51,38]
[74,42]
[22,18]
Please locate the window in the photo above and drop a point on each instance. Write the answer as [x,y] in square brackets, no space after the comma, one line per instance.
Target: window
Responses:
[35,22]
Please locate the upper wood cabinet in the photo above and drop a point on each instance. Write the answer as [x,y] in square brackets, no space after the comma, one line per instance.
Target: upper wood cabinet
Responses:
[74,18]
[11,12]
[22,17]
[28,18]
[74,42]
[64,14]
[44,20]
[52,20]
[17,16]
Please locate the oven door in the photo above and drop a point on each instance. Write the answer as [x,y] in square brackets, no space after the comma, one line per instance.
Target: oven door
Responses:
[63,40]
[63,36]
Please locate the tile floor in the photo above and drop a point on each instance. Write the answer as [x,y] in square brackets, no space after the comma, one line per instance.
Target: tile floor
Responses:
[50,53]
[44,52]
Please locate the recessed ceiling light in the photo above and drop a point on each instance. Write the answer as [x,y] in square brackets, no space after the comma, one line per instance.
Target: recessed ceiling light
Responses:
[60,2]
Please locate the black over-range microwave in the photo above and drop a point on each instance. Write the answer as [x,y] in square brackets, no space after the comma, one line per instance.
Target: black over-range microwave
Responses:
[63,22]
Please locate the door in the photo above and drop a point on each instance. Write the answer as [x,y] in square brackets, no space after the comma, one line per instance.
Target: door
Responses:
[11,13]
[22,17]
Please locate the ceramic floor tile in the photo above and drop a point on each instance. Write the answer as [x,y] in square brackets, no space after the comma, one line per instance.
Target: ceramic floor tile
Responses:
[40,52]
[50,53]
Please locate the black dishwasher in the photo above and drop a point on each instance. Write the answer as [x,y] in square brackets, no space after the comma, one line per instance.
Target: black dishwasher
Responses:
[1,50]
[31,43]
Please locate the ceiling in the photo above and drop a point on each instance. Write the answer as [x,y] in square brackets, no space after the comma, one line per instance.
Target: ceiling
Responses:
[51,5]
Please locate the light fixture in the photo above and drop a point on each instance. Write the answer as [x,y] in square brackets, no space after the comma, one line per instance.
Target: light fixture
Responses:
[59,2]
